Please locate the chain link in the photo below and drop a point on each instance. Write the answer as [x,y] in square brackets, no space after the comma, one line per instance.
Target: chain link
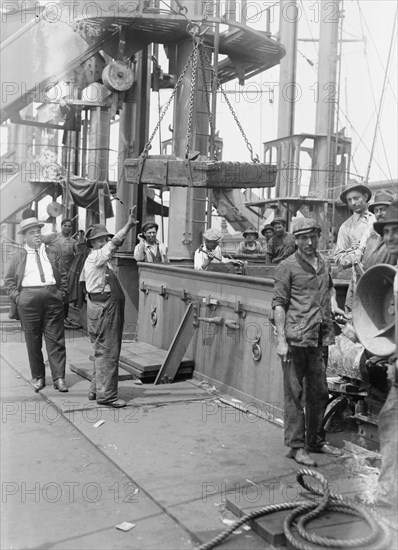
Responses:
[211,124]
[253,157]
[191,96]
[184,70]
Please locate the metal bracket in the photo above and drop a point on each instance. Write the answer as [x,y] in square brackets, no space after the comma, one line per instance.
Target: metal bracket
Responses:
[231,324]
[209,301]
[163,292]
[184,296]
[239,310]
[144,288]
[187,164]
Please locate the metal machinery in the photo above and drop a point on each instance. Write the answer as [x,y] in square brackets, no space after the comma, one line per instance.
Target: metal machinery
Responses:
[107,55]
[374,314]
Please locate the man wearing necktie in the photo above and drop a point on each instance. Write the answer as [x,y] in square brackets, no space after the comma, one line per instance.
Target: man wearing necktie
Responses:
[37,286]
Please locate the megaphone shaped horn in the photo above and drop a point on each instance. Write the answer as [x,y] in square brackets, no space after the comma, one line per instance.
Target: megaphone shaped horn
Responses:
[373,311]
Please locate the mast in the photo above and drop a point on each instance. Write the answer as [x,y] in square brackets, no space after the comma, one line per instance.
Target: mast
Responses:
[324,162]
[287,83]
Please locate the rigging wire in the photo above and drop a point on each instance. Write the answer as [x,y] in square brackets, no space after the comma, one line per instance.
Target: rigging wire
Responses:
[382,96]
[374,45]
[372,90]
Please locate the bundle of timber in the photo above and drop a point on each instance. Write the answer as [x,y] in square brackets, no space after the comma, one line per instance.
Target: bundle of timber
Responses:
[144,361]
[168,170]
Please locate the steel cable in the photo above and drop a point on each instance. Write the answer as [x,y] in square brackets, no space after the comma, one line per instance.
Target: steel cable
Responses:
[304,511]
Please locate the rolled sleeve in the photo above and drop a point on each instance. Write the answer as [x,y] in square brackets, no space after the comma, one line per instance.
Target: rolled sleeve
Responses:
[282,287]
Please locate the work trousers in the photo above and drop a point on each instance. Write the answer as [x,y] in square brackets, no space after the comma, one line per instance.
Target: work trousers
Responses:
[105,327]
[305,373]
[41,311]
[388,435]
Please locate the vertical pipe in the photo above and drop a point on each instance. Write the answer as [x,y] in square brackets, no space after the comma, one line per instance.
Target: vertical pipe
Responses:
[287,83]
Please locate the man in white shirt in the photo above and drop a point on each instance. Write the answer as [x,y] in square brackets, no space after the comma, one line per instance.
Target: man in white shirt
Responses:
[37,286]
[349,249]
[105,311]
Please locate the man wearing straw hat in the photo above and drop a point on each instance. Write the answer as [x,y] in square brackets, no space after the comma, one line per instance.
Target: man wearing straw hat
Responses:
[37,284]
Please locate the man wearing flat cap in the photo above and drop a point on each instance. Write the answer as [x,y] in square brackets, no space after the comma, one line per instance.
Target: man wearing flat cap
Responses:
[105,310]
[37,285]
[149,249]
[250,245]
[281,245]
[349,248]
[303,302]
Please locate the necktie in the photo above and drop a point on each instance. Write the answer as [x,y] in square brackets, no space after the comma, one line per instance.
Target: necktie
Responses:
[38,261]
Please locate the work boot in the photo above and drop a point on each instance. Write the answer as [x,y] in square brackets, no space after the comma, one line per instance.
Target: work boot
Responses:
[326,449]
[39,384]
[118,404]
[59,384]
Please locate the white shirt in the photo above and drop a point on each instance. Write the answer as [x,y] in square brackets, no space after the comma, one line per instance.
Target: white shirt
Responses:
[94,269]
[201,257]
[32,274]
[352,236]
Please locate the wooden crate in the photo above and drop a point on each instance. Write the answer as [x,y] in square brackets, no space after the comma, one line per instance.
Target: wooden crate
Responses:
[170,171]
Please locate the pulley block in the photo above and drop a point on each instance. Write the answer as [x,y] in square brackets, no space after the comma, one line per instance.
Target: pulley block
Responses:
[118,76]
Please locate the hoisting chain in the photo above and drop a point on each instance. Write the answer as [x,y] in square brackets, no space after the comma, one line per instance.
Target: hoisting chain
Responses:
[212,129]
[184,70]
[253,157]
[191,97]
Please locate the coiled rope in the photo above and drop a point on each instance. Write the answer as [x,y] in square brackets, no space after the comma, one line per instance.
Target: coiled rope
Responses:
[304,511]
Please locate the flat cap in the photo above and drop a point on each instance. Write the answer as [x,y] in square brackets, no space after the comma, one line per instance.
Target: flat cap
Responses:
[278,220]
[212,235]
[302,226]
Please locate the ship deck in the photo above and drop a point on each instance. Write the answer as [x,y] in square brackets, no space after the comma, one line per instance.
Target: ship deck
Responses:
[172,463]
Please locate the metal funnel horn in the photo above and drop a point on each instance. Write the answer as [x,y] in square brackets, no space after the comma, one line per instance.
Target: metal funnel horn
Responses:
[373,311]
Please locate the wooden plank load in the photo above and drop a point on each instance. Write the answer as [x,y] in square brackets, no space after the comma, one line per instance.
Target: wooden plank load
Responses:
[144,361]
[168,170]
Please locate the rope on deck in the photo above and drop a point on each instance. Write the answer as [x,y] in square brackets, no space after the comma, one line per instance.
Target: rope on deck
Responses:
[304,511]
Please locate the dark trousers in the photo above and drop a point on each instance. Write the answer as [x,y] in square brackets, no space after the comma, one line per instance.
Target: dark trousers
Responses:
[42,314]
[305,373]
[105,327]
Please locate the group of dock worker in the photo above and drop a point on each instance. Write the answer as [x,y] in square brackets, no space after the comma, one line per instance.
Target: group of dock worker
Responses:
[303,320]
[304,303]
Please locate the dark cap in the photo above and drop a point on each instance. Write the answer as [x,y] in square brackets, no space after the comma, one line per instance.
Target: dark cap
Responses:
[267,227]
[148,225]
[95,231]
[301,226]
[382,198]
[278,220]
[391,216]
[356,186]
